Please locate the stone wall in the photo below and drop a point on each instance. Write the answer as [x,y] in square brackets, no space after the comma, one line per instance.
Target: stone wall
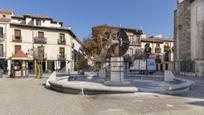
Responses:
[189,36]
[183,30]
[197,29]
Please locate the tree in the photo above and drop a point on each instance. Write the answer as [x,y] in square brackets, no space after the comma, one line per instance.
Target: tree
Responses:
[92,46]
[167,48]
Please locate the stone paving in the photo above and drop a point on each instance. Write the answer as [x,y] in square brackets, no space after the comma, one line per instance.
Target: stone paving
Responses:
[27,96]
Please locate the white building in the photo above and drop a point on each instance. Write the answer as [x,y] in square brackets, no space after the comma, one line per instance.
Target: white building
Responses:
[164,59]
[60,45]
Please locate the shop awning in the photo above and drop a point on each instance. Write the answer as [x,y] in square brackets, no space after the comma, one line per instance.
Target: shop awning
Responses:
[20,55]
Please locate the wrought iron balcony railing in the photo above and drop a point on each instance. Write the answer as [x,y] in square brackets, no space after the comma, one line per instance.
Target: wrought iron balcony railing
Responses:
[40,40]
[17,38]
[157,50]
[61,56]
[61,41]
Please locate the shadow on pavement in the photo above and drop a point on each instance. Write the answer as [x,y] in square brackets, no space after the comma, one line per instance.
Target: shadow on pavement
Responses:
[197,89]
[198,103]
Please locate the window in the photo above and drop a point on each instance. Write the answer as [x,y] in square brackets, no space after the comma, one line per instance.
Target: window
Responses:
[17,47]
[1,50]
[136,40]
[157,48]
[17,34]
[62,37]
[4,16]
[131,39]
[61,51]
[38,22]
[1,32]
[40,34]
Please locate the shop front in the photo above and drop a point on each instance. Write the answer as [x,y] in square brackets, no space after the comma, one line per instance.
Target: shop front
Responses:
[19,65]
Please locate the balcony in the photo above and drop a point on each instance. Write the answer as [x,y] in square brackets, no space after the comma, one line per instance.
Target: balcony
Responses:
[40,56]
[38,40]
[61,57]
[17,38]
[158,50]
[61,41]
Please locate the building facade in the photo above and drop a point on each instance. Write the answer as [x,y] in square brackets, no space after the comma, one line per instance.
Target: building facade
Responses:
[188,35]
[30,32]
[161,50]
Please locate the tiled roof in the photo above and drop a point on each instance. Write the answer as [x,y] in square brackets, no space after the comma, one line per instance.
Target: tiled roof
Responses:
[159,40]
[123,28]
[6,11]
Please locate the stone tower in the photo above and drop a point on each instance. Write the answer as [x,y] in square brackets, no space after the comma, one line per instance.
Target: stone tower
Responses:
[182,33]
[189,35]
[197,35]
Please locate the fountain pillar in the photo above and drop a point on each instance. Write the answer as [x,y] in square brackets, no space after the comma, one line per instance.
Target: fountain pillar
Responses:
[117,69]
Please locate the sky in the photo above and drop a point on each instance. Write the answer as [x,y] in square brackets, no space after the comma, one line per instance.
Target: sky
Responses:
[153,16]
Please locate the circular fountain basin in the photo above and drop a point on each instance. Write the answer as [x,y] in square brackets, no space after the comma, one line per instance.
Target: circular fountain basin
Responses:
[88,87]
[99,86]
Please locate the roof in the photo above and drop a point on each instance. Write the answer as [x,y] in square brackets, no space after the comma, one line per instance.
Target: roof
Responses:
[138,31]
[37,17]
[6,11]
[157,40]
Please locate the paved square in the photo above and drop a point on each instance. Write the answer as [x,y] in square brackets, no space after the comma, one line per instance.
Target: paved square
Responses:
[28,97]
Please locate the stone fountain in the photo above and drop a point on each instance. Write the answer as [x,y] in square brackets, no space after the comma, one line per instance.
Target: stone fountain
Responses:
[116,45]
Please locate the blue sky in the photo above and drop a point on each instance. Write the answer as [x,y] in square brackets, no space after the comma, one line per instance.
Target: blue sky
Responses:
[154,16]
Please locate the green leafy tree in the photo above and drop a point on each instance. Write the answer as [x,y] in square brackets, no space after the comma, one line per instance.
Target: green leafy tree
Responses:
[167,48]
[92,46]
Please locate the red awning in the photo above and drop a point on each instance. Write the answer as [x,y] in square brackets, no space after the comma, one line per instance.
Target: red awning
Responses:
[20,53]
